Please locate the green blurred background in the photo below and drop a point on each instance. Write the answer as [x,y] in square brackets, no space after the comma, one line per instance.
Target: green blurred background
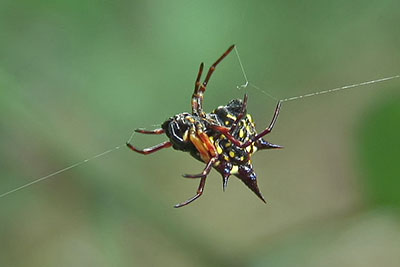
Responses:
[76,77]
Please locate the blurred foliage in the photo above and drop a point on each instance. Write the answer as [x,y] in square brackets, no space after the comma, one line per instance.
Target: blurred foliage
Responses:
[380,144]
[76,77]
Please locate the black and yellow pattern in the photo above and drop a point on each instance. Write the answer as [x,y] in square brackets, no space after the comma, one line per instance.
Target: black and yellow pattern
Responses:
[224,139]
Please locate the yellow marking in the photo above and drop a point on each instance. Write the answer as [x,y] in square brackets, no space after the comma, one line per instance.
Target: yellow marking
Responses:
[190,119]
[248,149]
[211,139]
[241,158]
[219,149]
[231,116]
[241,133]
[249,117]
[235,169]
[226,158]
[200,146]
[206,142]
[217,163]
[231,154]
[228,144]
[185,135]
[248,128]
[227,122]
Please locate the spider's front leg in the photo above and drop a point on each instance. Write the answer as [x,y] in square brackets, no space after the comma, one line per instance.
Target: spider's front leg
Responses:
[200,88]
[198,194]
[208,153]
[155,131]
[267,130]
[228,130]
[149,150]
[152,149]
[205,172]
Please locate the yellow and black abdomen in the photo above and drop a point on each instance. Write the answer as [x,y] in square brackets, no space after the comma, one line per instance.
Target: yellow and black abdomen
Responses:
[233,159]
[245,130]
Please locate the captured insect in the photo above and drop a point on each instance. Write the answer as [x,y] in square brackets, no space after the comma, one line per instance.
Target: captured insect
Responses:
[224,139]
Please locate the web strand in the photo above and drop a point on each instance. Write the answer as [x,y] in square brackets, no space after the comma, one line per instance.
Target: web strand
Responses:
[242,68]
[60,171]
[38,180]
[340,88]
[247,83]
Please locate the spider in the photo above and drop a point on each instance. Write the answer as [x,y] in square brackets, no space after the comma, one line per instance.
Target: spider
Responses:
[224,139]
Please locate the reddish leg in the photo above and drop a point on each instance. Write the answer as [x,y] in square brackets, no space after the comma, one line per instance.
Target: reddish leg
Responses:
[198,194]
[205,172]
[268,130]
[213,66]
[226,131]
[150,150]
[197,97]
[155,131]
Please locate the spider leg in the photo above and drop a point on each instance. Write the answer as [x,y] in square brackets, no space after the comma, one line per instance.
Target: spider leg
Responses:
[197,83]
[197,142]
[226,131]
[206,140]
[155,131]
[150,150]
[213,66]
[198,194]
[208,153]
[205,172]
[197,97]
[267,130]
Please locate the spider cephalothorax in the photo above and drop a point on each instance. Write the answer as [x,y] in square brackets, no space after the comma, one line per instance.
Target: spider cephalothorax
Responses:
[224,139]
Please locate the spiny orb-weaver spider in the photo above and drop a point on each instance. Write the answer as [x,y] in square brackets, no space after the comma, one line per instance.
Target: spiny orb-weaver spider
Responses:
[224,139]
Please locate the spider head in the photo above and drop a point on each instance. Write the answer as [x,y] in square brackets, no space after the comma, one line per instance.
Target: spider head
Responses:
[176,128]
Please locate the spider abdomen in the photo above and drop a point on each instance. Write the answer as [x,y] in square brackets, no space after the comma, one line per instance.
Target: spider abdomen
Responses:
[224,139]
[245,131]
